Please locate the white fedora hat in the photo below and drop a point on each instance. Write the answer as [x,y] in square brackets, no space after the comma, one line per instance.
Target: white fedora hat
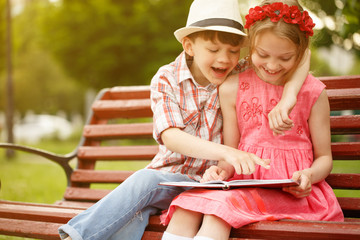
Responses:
[216,15]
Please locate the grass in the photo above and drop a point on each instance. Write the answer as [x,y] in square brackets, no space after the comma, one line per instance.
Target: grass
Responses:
[30,178]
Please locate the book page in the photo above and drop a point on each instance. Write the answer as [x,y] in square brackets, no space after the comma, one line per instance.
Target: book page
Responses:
[218,184]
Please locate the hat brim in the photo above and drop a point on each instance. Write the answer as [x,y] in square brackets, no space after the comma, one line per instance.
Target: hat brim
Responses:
[185,31]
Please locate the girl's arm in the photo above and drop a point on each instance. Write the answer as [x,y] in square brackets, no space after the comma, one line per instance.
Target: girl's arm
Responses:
[279,120]
[319,124]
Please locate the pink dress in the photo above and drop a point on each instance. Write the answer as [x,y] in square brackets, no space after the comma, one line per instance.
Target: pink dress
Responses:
[288,153]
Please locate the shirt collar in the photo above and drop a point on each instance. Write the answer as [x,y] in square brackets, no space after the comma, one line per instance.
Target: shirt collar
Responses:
[182,71]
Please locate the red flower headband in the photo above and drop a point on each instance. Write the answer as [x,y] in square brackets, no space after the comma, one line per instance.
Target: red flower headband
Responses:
[278,10]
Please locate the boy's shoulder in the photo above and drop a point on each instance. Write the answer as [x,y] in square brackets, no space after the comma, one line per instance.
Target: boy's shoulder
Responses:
[173,72]
[169,67]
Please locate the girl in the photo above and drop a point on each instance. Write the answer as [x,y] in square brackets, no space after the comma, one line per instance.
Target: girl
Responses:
[279,36]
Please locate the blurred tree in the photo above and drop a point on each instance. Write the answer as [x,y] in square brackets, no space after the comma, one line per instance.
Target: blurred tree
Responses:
[9,109]
[114,42]
[39,81]
[341,20]
[2,34]
[2,51]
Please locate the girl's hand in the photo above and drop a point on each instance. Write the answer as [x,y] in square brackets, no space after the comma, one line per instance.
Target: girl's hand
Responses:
[304,189]
[279,120]
[215,173]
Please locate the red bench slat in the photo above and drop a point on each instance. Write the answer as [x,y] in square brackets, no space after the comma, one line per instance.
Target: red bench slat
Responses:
[129,92]
[135,108]
[29,229]
[345,150]
[118,131]
[118,152]
[344,180]
[345,124]
[38,213]
[100,176]
[341,81]
[284,229]
[85,194]
[344,99]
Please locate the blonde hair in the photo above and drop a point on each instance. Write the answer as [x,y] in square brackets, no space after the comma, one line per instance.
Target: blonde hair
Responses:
[282,29]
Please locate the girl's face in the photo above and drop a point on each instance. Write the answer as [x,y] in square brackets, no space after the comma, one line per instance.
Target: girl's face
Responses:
[212,61]
[273,57]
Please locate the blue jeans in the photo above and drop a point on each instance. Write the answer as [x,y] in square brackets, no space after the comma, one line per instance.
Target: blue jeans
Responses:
[124,213]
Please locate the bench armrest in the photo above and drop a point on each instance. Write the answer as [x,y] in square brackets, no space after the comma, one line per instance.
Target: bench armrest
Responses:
[62,160]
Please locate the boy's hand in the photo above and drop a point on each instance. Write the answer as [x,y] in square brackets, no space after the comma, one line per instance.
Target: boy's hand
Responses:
[244,162]
[304,189]
[215,173]
[279,120]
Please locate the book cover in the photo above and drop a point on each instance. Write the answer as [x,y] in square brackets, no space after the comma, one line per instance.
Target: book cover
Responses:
[226,185]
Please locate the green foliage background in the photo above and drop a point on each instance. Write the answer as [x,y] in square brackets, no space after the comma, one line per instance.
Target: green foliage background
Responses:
[106,43]
[63,48]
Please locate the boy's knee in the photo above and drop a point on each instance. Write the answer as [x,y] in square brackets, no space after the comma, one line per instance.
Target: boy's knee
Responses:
[146,177]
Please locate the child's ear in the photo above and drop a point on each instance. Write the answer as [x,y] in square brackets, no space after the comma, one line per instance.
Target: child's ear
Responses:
[188,46]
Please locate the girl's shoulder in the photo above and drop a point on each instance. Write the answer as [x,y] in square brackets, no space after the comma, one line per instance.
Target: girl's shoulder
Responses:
[248,72]
[311,90]
[230,85]
[233,80]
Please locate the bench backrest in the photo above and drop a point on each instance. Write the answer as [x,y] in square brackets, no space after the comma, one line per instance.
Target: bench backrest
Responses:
[119,129]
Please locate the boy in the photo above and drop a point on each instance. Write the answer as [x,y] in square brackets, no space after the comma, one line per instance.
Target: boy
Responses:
[187,125]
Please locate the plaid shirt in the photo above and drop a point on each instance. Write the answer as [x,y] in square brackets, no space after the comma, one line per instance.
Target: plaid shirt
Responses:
[178,101]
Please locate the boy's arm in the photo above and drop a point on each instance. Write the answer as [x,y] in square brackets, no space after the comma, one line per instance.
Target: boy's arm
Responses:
[279,120]
[184,143]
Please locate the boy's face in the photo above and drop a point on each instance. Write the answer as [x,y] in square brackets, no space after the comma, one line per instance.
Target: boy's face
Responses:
[212,61]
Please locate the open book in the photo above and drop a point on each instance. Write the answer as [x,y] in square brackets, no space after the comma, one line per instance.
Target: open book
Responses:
[217,184]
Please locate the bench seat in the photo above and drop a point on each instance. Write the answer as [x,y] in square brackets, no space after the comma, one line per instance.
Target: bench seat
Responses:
[119,128]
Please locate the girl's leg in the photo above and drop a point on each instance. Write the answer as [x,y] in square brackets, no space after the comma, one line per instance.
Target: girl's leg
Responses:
[184,223]
[214,228]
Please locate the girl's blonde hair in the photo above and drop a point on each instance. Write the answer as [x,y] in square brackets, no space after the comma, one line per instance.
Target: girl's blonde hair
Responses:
[282,29]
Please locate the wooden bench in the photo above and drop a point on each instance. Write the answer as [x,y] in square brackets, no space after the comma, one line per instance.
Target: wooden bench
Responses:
[122,113]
